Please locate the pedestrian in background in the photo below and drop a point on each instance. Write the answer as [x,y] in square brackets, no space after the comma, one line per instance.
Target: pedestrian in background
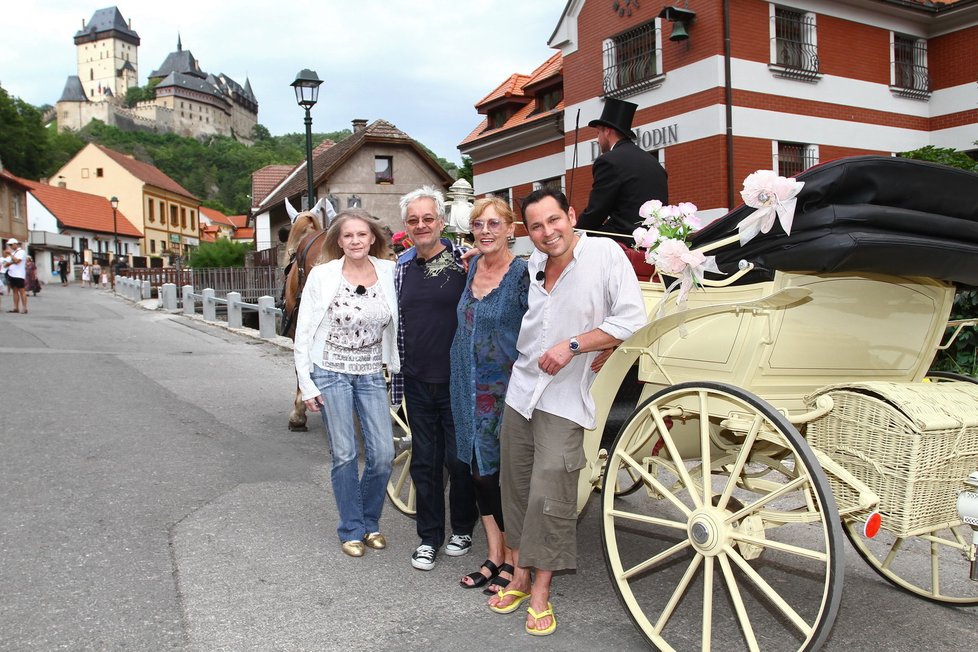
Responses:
[346,331]
[33,284]
[483,352]
[86,275]
[16,269]
[96,274]
[63,271]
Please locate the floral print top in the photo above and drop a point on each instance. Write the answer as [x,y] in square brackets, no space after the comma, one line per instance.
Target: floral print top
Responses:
[355,322]
[483,353]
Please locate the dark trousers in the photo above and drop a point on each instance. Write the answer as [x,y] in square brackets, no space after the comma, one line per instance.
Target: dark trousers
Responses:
[429,411]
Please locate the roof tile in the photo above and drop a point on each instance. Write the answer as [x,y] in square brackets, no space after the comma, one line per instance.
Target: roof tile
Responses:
[81,210]
[147,173]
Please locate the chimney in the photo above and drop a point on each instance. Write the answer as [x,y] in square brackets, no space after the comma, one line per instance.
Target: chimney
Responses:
[359,124]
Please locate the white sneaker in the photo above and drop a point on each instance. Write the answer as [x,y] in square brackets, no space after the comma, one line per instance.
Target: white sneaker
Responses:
[423,558]
[458,545]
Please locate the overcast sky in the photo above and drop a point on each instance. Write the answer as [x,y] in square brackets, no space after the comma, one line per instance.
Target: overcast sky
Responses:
[420,64]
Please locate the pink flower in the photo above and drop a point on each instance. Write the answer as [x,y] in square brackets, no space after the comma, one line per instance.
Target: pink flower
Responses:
[645,238]
[650,209]
[774,197]
[673,257]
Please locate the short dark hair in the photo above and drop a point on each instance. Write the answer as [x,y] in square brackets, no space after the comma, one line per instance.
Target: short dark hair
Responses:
[542,193]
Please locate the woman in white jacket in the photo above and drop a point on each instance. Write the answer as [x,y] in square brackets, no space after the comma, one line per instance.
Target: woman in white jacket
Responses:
[346,331]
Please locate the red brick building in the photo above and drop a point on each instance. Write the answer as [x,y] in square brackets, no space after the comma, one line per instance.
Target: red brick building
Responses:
[753,85]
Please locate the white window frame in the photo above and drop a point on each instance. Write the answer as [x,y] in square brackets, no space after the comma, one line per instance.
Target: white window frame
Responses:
[811,153]
[811,37]
[920,54]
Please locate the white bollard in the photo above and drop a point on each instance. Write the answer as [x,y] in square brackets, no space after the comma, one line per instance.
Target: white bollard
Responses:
[234,310]
[210,308]
[168,296]
[266,319]
[188,301]
[146,291]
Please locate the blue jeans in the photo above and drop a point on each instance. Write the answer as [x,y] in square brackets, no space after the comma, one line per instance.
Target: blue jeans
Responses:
[359,500]
[429,411]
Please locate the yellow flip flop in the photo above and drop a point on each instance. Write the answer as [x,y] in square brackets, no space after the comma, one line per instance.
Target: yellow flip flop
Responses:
[546,631]
[512,606]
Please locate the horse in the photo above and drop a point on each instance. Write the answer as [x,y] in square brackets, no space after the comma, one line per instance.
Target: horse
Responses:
[304,246]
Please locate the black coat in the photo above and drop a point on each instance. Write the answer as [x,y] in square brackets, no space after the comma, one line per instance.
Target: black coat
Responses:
[624,178]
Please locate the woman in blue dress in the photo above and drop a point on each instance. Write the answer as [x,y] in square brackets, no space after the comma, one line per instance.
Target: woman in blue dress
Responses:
[489,315]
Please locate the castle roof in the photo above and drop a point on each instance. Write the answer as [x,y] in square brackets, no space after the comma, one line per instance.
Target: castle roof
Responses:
[189,82]
[103,22]
[74,91]
[181,61]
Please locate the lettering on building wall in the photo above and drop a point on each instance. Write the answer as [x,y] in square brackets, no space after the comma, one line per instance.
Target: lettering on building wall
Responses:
[648,139]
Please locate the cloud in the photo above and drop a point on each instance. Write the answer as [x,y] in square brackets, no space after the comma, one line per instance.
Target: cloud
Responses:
[420,64]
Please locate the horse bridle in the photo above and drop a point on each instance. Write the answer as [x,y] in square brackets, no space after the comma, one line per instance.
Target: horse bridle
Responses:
[299,258]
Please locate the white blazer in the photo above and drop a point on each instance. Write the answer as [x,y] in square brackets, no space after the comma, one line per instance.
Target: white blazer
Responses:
[321,286]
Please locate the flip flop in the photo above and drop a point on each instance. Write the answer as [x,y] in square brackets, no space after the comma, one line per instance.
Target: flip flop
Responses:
[512,606]
[478,579]
[500,582]
[546,631]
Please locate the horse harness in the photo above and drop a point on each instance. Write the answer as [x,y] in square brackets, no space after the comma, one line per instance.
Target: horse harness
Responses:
[298,258]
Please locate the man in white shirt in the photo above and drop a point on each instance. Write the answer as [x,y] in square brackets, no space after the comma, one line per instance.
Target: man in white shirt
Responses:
[584,298]
[17,274]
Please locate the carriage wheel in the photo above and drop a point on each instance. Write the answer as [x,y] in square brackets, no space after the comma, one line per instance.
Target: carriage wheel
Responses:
[752,557]
[932,565]
[400,487]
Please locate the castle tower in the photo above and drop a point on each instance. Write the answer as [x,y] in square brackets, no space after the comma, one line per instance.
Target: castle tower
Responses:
[107,52]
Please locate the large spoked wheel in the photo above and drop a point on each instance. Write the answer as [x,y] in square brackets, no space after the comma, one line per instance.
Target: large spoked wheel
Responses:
[400,488]
[933,565]
[736,539]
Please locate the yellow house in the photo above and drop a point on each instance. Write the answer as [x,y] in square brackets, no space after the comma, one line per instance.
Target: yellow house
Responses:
[165,212]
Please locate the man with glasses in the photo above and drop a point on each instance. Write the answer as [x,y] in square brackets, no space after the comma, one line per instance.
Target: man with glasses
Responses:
[430,278]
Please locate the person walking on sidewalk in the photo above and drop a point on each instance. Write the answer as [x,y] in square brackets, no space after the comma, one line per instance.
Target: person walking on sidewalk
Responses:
[430,278]
[63,271]
[16,270]
[346,331]
[96,274]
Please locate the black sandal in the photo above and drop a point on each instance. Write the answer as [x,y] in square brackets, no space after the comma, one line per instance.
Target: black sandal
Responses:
[500,582]
[478,579]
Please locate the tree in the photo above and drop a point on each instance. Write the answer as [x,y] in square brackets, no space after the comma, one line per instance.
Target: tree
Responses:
[220,253]
[23,140]
[961,356]
[465,172]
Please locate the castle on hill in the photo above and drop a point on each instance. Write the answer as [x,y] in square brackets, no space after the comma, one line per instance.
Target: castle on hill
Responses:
[188,101]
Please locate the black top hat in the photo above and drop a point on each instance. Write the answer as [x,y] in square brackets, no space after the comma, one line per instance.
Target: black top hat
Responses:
[618,115]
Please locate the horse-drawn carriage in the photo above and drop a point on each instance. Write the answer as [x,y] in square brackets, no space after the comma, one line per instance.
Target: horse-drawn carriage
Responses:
[786,405]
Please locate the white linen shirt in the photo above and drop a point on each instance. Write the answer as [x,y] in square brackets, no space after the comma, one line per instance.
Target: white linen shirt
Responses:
[597,289]
[18,269]
[320,288]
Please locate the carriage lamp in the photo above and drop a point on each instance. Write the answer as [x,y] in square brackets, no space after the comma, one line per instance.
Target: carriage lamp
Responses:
[968,510]
[306,87]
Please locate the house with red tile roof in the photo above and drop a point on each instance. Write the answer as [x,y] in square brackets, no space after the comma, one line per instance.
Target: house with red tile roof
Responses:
[78,225]
[165,212]
[726,88]
[215,224]
[13,207]
[371,169]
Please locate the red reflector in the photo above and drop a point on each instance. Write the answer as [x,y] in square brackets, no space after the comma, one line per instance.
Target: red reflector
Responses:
[872,526]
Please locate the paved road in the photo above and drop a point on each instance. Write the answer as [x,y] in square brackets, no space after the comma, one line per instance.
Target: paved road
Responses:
[151,498]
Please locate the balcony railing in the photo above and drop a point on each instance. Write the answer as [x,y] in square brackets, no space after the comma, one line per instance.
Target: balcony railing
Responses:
[631,62]
[910,76]
[796,55]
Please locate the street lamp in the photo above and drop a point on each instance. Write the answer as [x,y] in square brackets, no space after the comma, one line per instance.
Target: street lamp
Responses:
[115,227]
[306,86]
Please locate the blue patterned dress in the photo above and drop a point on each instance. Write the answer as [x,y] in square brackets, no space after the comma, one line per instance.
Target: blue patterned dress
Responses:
[483,353]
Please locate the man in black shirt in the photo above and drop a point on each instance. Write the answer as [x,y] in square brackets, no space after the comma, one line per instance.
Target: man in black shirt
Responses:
[430,279]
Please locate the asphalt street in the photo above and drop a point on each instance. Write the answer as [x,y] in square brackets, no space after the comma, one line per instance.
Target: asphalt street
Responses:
[151,497]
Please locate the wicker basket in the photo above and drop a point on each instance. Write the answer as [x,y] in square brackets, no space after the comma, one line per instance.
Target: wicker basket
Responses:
[911,443]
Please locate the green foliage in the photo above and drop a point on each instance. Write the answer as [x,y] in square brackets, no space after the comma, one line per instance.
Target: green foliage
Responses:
[960,356]
[23,140]
[220,253]
[465,172]
[138,94]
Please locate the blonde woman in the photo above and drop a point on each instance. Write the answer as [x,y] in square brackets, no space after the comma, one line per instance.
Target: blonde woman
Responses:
[346,331]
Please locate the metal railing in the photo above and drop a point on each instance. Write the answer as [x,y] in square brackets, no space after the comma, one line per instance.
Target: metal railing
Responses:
[794,44]
[250,282]
[910,76]
[630,61]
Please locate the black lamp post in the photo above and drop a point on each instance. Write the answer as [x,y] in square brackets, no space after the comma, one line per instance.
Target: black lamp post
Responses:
[306,86]
[115,227]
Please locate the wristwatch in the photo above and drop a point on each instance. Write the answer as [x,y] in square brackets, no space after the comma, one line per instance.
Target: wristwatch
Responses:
[575,346]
